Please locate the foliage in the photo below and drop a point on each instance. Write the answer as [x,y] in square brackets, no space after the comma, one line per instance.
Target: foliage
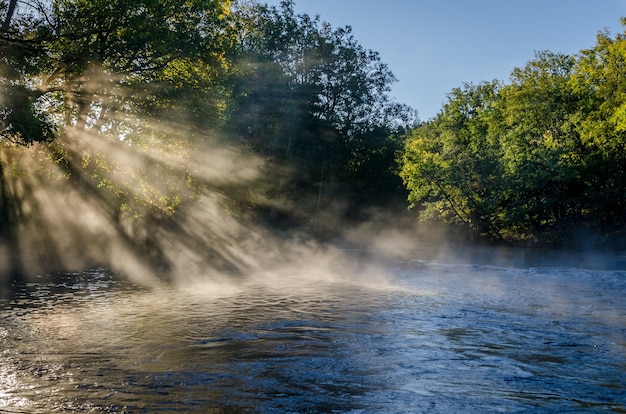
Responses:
[132,92]
[450,164]
[124,96]
[106,80]
[539,158]
[317,103]
[22,120]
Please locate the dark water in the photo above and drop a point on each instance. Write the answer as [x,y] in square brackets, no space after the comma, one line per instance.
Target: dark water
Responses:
[440,338]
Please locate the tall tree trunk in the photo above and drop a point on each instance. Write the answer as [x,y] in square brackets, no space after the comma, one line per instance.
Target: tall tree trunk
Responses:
[8,236]
[5,209]
[9,17]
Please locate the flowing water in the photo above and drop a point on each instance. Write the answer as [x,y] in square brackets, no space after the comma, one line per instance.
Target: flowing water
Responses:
[442,338]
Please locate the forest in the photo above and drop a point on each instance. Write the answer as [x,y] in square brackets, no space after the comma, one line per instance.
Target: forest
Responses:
[136,120]
[540,159]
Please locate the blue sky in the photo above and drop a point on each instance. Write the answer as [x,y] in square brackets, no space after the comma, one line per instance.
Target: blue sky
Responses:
[433,46]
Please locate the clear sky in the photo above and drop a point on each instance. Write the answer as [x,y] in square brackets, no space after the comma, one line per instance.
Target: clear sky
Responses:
[433,46]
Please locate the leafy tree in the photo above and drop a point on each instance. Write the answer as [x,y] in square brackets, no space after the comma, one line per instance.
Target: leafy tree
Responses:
[83,62]
[317,102]
[540,158]
[105,81]
[600,120]
[23,120]
[509,162]
[22,32]
[110,83]
[451,164]
[139,51]
[542,152]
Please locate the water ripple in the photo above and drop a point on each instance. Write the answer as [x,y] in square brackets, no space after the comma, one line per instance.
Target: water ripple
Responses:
[448,338]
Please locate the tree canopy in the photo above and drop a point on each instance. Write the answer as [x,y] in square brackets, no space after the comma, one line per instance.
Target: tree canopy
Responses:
[312,98]
[131,105]
[540,158]
[135,105]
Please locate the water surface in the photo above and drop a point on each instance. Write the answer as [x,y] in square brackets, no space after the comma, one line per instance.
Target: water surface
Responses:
[440,338]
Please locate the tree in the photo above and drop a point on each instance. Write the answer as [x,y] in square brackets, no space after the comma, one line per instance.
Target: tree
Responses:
[451,165]
[600,120]
[106,81]
[540,158]
[542,153]
[311,97]
[22,118]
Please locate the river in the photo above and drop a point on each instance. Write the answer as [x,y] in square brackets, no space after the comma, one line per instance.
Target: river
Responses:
[437,337]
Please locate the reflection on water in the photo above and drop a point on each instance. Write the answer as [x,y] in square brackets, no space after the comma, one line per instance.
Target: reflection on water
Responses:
[446,338]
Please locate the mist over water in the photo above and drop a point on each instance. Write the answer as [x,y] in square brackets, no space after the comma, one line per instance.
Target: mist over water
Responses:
[151,213]
[170,298]
[436,337]
[183,244]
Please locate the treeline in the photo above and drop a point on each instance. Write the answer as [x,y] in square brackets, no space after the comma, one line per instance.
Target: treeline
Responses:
[540,159]
[134,103]
[106,87]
